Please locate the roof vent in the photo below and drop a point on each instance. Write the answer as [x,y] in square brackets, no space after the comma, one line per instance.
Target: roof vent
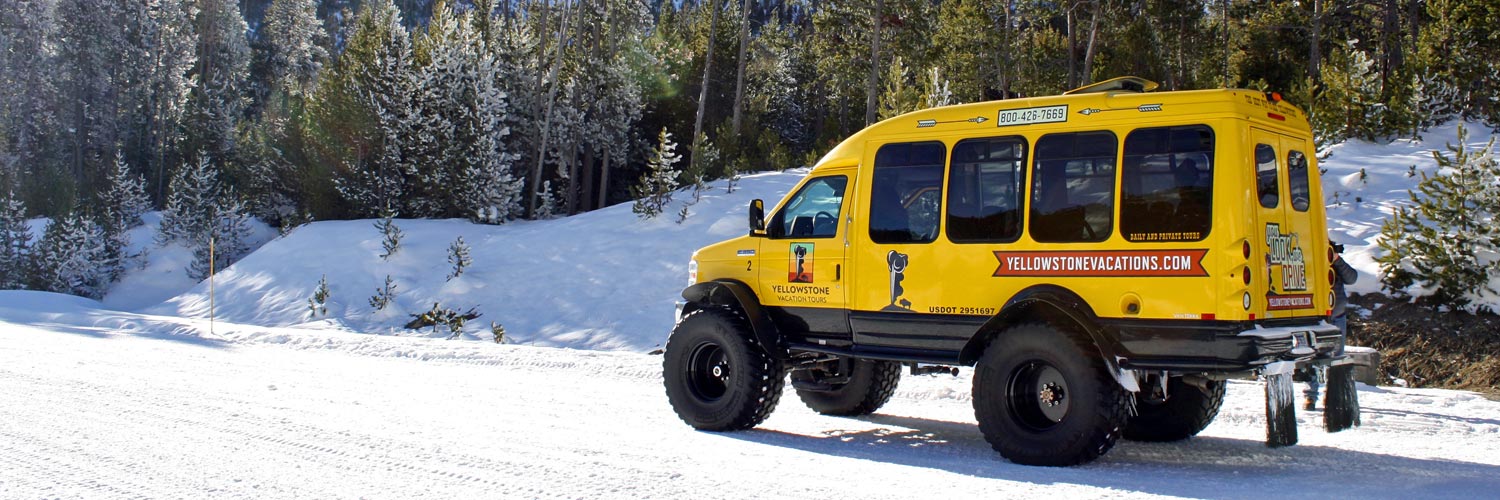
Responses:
[1121,84]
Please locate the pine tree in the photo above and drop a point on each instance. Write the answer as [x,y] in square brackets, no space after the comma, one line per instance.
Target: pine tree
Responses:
[390,234]
[654,190]
[70,258]
[458,257]
[123,204]
[15,243]
[363,114]
[461,156]
[701,167]
[218,101]
[1445,248]
[384,295]
[287,54]
[189,212]
[224,242]
[318,304]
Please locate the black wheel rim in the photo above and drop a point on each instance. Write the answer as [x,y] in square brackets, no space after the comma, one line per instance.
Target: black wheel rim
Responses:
[708,372]
[1038,394]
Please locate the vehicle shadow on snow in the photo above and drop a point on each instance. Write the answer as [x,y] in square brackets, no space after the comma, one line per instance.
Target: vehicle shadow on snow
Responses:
[1205,467]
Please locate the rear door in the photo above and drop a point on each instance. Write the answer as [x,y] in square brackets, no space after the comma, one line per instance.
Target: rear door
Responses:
[1284,206]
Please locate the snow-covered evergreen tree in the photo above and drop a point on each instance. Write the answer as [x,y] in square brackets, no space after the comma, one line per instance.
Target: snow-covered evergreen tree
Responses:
[384,295]
[190,205]
[122,205]
[703,165]
[366,104]
[458,145]
[1437,101]
[546,207]
[15,243]
[158,64]
[1446,246]
[70,256]
[218,100]
[654,190]
[390,234]
[288,55]
[458,257]
[225,242]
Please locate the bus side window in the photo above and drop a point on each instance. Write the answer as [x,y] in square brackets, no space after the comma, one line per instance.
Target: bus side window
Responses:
[905,192]
[985,181]
[1266,186]
[1167,184]
[1072,187]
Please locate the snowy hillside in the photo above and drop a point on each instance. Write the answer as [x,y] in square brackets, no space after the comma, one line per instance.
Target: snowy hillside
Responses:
[604,280]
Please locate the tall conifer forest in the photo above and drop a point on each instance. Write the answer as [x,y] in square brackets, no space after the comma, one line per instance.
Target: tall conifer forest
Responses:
[498,110]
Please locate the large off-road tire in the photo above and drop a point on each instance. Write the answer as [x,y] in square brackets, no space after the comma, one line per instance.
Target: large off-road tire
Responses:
[1043,398]
[717,377]
[1186,411]
[870,385]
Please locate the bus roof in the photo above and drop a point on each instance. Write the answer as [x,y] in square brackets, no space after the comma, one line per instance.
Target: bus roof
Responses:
[1074,112]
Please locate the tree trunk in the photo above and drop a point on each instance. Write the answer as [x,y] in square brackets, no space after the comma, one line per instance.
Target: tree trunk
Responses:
[586,185]
[1072,49]
[708,66]
[1002,56]
[541,154]
[1088,55]
[604,178]
[739,72]
[570,162]
[872,84]
[1315,49]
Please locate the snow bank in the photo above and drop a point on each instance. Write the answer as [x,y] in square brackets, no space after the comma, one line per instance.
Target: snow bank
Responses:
[604,280]
[1364,182]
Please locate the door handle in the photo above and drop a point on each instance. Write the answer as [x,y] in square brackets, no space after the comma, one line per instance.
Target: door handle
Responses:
[838,271]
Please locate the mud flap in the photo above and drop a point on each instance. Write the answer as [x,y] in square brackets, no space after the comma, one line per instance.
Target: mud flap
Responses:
[1341,402]
[1281,405]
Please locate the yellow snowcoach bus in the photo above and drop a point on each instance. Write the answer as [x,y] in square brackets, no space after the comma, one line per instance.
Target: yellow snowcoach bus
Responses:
[1106,259]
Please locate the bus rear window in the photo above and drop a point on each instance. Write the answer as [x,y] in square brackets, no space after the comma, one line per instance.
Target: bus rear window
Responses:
[1296,180]
[1167,184]
[1073,187]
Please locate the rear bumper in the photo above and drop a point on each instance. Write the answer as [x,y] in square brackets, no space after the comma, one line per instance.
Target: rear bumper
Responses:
[1226,346]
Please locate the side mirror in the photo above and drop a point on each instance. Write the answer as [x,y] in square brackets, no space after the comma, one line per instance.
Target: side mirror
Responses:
[757,218]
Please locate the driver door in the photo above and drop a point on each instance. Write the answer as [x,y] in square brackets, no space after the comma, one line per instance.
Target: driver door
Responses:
[803,268]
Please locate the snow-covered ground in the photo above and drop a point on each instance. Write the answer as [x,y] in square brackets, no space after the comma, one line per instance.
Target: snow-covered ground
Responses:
[120,405]
[140,395]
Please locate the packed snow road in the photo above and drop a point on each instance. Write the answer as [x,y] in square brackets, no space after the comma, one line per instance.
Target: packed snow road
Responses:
[89,410]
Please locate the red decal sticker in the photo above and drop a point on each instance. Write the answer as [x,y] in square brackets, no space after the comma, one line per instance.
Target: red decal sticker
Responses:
[1118,263]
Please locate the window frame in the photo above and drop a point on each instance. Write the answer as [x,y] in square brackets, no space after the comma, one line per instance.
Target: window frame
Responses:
[1212,156]
[1291,181]
[1022,207]
[1033,187]
[1260,195]
[907,202]
[774,226]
